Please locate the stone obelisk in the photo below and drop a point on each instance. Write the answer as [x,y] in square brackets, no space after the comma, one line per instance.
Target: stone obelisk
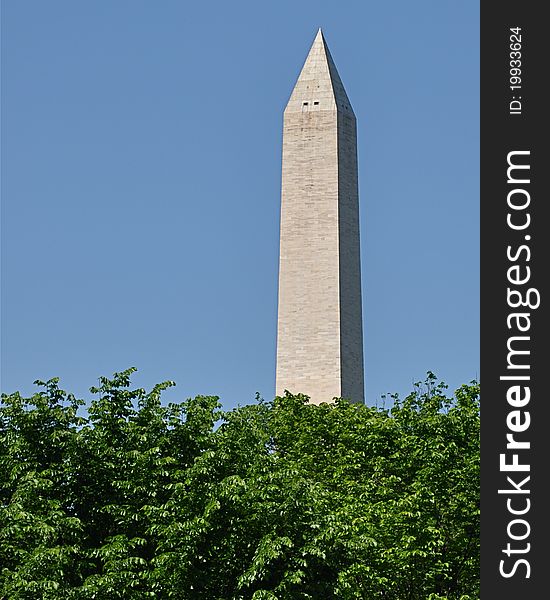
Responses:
[319,329]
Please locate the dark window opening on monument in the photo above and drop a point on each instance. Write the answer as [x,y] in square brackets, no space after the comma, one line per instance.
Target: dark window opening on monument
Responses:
[316,103]
[306,103]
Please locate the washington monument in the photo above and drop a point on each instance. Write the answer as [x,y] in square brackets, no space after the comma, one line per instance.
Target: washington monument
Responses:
[319,329]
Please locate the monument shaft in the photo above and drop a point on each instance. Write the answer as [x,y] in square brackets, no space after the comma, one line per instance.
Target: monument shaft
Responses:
[319,334]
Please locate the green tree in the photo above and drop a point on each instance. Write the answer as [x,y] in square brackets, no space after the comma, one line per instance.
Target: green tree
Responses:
[273,500]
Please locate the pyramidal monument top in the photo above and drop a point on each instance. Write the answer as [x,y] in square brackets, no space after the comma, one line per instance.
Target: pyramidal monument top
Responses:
[319,86]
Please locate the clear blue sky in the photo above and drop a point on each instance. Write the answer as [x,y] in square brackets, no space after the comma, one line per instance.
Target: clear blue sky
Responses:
[141,154]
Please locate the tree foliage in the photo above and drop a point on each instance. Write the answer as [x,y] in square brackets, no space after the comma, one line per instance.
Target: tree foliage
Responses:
[273,500]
